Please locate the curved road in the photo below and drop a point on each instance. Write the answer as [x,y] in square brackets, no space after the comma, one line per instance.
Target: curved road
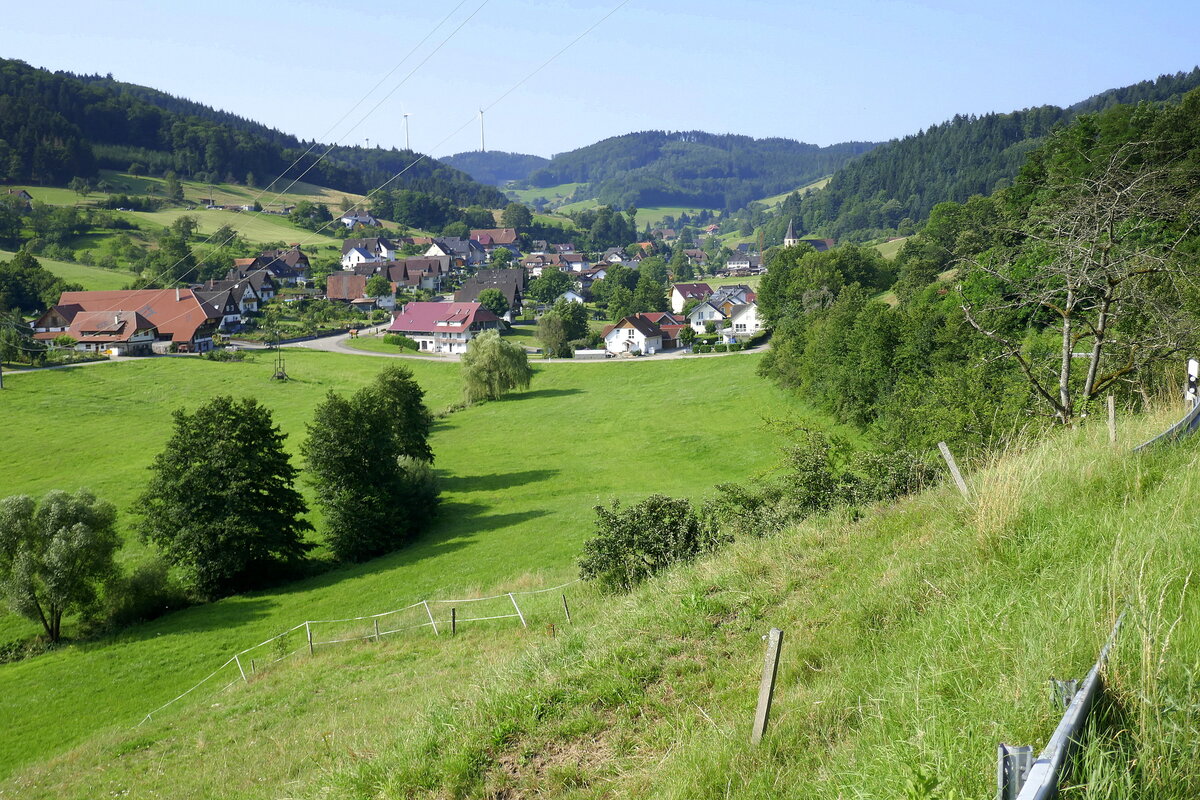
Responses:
[337,344]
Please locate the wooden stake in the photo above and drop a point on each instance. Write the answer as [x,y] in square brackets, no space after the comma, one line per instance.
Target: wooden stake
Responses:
[453,621]
[566,609]
[766,688]
[253,668]
[958,478]
[377,630]
[1112,419]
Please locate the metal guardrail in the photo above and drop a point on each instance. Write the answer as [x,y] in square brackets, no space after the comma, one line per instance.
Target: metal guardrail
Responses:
[1190,421]
[1017,777]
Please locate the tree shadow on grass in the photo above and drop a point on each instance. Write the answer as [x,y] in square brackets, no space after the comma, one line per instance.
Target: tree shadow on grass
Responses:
[462,484]
[544,393]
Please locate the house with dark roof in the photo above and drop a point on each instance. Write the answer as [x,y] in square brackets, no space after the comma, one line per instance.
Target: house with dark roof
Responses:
[509,282]
[631,335]
[24,199]
[177,317]
[288,266]
[682,293]
[353,219]
[443,327]
[259,279]
[372,248]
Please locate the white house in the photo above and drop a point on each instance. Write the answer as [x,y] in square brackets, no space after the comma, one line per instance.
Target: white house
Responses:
[633,334]
[443,327]
[744,321]
[704,313]
[681,293]
[571,296]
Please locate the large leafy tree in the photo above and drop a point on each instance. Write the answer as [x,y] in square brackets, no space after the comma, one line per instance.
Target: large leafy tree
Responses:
[368,456]
[516,215]
[221,501]
[55,555]
[494,301]
[549,286]
[492,367]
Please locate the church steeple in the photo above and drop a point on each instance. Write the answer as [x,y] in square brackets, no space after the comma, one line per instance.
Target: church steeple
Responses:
[790,237]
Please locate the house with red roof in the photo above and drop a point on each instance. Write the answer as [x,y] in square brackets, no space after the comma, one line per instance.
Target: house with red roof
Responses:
[681,293]
[123,318]
[443,327]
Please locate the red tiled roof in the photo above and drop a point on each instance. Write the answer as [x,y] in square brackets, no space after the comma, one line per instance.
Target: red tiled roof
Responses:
[440,317]
[177,313]
[345,286]
[495,235]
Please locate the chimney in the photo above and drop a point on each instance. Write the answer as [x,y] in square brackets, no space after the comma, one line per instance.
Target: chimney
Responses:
[117,319]
[176,294]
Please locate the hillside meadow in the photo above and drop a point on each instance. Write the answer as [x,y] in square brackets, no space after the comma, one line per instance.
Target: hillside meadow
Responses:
[519,480]
[88,277]
[917,635]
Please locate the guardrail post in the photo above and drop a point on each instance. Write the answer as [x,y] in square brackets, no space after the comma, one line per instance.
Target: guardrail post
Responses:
[1063,692]
[766,688]
[1193,379]
[1012,767]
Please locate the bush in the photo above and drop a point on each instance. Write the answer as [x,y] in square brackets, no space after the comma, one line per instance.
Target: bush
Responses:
[720,348]
[401,341]
[631,544]
[706,348]
[734,347]
[147,593]
[225,355]
[696,348]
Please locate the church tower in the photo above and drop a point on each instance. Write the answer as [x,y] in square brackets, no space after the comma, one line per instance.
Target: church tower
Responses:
[790,237]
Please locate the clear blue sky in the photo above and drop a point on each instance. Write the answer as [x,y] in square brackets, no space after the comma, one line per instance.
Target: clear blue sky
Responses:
[818,73]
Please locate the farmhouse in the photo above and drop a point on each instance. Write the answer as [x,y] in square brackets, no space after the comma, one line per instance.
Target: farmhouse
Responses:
[443,327]
[288,267]
[177,316]
[509,282]
[353,218]
[360,251]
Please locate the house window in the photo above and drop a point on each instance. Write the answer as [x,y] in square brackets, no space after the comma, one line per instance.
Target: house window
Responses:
[629,333]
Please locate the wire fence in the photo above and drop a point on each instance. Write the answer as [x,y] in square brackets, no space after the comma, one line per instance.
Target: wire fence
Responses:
[441,617]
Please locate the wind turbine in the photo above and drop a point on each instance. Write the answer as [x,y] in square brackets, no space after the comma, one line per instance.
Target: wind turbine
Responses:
[482,147]
[407,145]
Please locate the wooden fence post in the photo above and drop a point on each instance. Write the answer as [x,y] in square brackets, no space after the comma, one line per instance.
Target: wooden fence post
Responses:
[453,621]
[766,688]
[377,630]
[958,478]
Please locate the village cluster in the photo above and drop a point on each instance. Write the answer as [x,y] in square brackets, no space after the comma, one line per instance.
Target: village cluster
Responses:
[146,321]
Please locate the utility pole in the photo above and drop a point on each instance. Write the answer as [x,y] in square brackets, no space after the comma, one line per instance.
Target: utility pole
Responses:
[482,147]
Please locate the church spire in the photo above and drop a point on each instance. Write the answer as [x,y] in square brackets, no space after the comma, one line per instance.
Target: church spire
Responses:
[790,238]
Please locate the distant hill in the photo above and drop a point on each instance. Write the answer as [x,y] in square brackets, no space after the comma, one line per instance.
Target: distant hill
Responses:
[495,167]
[56,126]
[691,168]
[967,155]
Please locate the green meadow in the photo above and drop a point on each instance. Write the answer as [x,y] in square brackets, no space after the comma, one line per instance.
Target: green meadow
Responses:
[85,276]
[519,481]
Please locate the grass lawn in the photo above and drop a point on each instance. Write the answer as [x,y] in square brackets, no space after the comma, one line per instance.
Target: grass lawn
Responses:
[554,194]
[517,499]
[524,334]
[372,343]
[87,277]
[752,281]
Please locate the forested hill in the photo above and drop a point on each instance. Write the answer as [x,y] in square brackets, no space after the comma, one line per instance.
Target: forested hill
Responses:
[496,167]
[692,168]
[56,126]
[894,186]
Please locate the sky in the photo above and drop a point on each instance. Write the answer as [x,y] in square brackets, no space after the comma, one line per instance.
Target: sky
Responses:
[865,70]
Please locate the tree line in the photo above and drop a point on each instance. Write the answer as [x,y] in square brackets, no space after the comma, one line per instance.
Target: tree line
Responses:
[57,126]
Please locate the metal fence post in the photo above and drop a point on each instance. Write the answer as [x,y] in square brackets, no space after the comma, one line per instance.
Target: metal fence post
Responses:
[953,465]
[766,688]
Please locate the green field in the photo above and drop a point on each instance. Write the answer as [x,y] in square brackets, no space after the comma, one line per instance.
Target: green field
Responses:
[554,194]
[891,249]
[87,277]
[254,227]
[775,200]
[517,501]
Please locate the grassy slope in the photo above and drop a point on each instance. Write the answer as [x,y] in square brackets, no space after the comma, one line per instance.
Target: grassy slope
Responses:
[87,277]
[891,249]
[916,638]
[515,503]
[774,201]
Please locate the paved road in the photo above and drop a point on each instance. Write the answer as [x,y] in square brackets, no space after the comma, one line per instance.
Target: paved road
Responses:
[337,344]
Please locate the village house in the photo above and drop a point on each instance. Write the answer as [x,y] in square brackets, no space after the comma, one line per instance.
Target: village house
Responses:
[682,293]
[743,322]
[695,257]
[509,282]
[443,327]
[704,313]
[225,300]
[259,279]
[466,252]
[176,316]
[352,219]
[632,335]
[288,267]
[361,251]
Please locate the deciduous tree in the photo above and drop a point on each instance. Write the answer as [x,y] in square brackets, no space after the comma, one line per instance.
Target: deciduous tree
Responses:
[56,554]
[492,366]
[221,501]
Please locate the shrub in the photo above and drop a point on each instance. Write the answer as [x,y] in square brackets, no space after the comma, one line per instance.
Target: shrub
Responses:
[225,355]
[148,592]
[706,348]
[734,347]
[631,544]
[696,348]
[401,341]
[720,348]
